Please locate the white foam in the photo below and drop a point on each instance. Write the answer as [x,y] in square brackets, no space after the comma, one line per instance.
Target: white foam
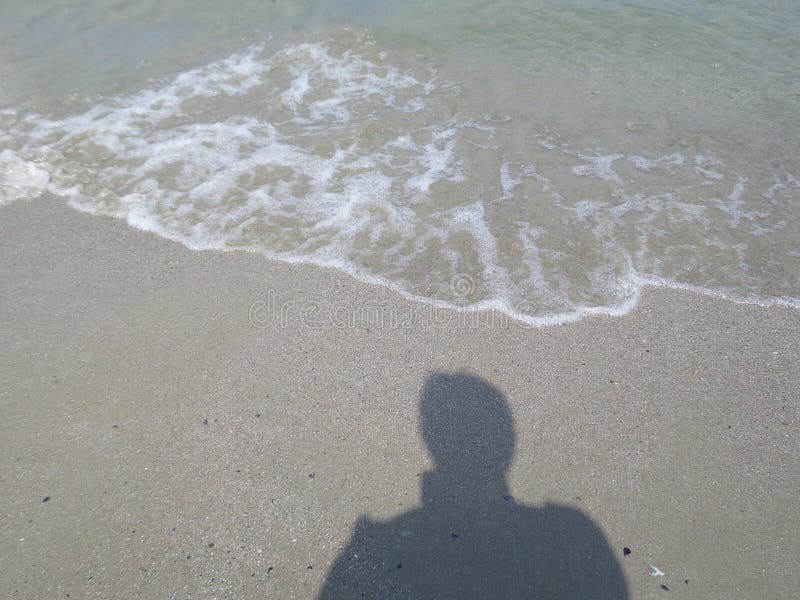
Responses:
[598,166]
[647,164]
[508,183]
[300,87]
[20,179]
[438,160]
[472,219]
[641,163]
[341,159]
[352,77]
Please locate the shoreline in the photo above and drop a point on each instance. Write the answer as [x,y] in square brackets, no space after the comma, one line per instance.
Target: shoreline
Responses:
[639,282]
[162,423]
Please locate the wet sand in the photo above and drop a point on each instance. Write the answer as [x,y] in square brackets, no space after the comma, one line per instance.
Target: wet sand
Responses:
[212,425]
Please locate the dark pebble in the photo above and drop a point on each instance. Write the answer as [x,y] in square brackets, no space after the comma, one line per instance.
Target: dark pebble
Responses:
[686,581]
[205,421]
[399,565]
[454,535]
[626,551]
[312,475]
[258,415]
[46,499]
[115,426]
[210,544]
[665,588]
[270,569]
[508,497]
[310,567]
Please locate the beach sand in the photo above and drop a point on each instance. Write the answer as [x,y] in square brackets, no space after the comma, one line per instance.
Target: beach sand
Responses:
[213,424]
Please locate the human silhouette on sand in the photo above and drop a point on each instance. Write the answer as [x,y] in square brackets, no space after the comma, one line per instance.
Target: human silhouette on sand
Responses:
[470,538]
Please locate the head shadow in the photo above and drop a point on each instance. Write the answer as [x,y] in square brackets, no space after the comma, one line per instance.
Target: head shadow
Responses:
[468,428]
[470,538]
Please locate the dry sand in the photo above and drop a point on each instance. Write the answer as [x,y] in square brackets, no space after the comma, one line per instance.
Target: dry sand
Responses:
[175,439]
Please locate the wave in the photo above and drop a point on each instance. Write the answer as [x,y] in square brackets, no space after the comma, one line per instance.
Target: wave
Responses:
[330,152]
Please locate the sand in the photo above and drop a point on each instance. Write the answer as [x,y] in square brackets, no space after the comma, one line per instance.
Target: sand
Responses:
[190,446]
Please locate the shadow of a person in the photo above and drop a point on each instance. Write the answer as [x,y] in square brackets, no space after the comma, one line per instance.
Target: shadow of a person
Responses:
[470,538]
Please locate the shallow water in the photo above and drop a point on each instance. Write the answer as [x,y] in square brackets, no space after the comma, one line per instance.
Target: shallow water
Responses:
[544,158]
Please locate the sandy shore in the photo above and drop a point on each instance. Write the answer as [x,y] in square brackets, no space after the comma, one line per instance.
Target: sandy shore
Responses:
[212,425]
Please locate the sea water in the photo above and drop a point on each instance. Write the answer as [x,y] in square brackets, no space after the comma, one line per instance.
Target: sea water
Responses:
[545,159]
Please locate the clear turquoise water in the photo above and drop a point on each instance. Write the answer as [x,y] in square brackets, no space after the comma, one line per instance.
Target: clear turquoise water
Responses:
[545,158]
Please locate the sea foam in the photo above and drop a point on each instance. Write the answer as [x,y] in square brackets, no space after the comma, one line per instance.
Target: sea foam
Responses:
[337,153]
[20,178]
